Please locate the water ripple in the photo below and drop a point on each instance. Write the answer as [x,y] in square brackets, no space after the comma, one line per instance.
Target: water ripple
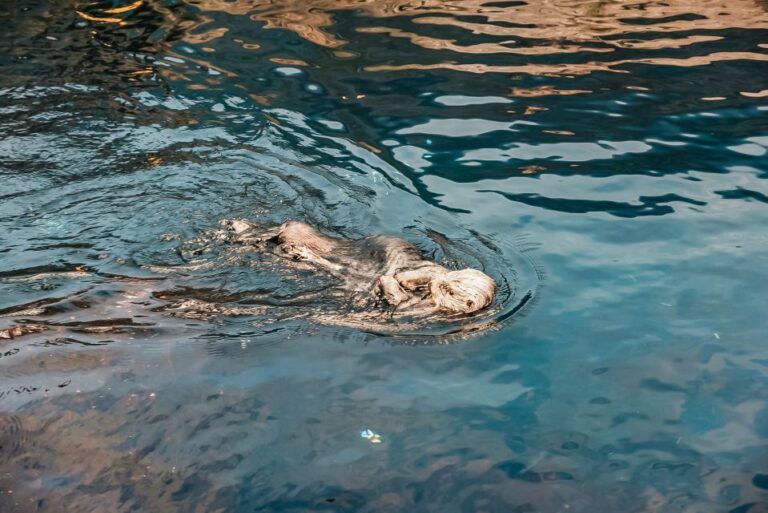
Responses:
[619,145]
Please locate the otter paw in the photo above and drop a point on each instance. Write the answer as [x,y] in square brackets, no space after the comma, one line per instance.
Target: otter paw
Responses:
[392,291]
[415,278]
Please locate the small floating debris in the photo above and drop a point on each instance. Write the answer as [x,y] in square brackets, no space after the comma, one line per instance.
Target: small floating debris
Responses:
[18,331]
[372,437]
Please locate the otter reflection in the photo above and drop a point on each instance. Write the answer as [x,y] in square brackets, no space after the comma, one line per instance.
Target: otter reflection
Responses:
[375,270]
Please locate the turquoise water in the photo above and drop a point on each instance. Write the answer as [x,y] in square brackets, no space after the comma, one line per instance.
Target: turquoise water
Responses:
[608,158]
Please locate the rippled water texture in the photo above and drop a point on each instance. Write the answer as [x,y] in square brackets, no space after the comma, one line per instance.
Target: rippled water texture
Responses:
[606,159]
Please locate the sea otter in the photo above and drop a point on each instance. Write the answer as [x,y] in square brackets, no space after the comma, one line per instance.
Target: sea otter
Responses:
[375,268]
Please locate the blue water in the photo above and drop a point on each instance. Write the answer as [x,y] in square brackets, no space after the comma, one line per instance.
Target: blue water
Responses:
[609,158]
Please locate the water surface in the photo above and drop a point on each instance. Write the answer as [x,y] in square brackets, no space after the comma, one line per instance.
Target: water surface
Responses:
[610,157]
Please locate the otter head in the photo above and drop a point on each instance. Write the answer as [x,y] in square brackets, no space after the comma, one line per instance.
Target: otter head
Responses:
[464,291]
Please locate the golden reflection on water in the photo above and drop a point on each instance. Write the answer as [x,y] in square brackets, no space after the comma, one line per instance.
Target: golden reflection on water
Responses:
[535,28]
[207,36]
[542,38]
[89,17]
[554,20]
[545,91]
[577,69]
[125,8]
[100,12]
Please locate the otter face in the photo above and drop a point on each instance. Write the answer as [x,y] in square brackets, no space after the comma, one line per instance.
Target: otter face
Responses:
[464,291]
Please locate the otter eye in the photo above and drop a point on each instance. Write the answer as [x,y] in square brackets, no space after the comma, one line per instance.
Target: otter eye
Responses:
[469,304]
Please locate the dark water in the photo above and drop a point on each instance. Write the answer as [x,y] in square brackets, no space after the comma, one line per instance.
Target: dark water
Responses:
[610,157]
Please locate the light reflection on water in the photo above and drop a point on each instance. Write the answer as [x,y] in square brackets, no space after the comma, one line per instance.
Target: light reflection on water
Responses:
[620,146]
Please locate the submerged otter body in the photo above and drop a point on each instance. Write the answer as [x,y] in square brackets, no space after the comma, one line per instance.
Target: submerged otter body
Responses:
[376,269]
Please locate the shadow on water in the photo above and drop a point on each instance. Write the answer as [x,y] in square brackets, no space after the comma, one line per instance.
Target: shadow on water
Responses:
[621,145]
